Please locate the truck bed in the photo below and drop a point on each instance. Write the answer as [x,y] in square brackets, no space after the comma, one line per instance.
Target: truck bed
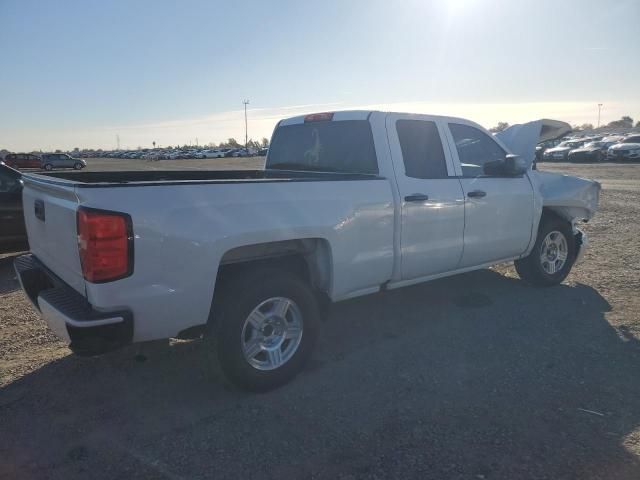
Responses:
[163,177]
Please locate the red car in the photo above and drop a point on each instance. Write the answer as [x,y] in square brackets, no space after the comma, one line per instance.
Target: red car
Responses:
[22,160]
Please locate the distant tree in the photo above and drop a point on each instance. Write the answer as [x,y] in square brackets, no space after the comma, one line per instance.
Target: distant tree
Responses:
[586,126]
[638,124]
[500,127]
[624,122]
[265,141]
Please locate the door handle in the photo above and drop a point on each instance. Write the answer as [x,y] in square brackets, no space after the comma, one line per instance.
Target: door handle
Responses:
[416,197]
[477,194]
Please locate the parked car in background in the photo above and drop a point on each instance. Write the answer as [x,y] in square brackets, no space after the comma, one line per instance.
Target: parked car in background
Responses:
[543,147]
[613,139]
[624,151]
[589,152]
[561,152]
[215,152]
[61,160]
[263,152]
[13,235]
[232,152]
[22,160]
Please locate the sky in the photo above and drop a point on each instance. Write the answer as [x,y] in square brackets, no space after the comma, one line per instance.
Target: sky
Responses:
[82,73]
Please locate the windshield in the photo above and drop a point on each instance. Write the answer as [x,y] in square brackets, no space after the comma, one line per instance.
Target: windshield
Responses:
[334,146]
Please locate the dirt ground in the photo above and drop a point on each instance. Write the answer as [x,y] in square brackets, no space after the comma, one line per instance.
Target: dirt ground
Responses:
[478,376]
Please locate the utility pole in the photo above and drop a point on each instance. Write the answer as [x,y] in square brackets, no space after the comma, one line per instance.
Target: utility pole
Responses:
[246,134]
[118,141]
[599,108]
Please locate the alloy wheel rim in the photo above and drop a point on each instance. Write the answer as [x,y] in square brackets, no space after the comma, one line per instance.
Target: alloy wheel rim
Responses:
[272,333]
[554,252]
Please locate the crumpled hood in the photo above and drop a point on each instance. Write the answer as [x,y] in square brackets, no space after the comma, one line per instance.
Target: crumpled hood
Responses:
[522,139]
[573,198]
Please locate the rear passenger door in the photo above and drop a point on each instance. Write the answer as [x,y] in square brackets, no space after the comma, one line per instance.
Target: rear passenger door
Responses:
[432,202]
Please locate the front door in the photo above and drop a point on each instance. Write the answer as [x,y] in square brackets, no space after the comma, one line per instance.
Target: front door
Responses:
[498,209]
[432,202]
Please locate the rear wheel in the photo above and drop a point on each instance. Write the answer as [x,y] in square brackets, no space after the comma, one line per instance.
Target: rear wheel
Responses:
[552,256]
[48,167]
[266,324]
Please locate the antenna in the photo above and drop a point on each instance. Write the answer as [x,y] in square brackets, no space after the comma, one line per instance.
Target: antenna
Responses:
[246,134]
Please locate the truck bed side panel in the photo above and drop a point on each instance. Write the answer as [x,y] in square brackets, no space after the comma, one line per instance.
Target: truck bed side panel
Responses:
[182,232]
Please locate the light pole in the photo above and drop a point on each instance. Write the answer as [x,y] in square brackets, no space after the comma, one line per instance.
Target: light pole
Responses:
[246,134]
[599,108]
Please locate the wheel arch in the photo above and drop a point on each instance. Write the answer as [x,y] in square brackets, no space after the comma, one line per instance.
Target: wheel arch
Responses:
[311,258]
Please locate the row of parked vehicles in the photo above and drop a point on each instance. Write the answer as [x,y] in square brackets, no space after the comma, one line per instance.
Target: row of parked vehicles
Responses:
[46,161]
[177,154]
[591,149]
[50,161]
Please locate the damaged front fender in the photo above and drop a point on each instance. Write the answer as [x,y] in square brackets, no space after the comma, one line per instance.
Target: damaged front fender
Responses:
[572,198]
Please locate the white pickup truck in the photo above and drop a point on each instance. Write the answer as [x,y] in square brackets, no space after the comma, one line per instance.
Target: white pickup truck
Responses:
[350,203]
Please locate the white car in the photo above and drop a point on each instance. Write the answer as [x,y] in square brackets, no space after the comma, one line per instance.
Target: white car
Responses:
[215,153]
[350,203]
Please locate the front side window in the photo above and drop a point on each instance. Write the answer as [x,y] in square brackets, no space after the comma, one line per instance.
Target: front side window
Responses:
[329,146]
[475,149]
[422,151]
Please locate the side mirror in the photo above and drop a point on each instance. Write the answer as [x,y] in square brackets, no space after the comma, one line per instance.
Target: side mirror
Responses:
[510,166]
[515,165]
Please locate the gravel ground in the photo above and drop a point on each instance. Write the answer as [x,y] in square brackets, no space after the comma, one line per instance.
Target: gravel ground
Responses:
[472,377]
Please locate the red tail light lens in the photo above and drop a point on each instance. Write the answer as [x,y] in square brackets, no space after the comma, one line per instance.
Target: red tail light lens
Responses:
[105,242]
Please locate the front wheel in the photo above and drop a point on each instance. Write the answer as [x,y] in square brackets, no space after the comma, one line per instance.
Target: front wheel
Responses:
[266,327]
[78,166]
[552,256]
[48,167]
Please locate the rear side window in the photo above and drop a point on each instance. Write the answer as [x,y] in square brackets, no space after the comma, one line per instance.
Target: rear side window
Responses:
[422,151]
[475,149]
[340,146]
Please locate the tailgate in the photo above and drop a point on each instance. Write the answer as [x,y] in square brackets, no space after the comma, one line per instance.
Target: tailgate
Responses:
[50,216]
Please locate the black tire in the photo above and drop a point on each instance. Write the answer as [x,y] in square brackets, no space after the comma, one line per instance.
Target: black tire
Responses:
[531,269]
[78,166]
[48,167]
[236,298]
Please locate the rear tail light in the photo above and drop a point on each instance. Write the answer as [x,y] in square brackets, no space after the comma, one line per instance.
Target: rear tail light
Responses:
[319,117]
[105,242]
